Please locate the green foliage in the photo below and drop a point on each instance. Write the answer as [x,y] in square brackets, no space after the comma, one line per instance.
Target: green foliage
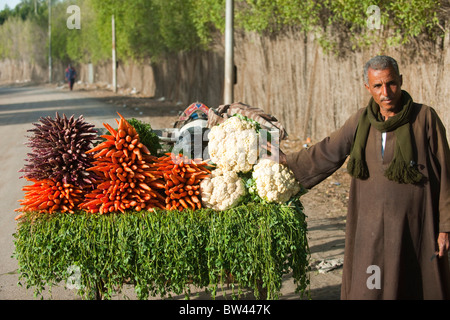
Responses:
[147,28]
[133,25]
[151,28]
[208,17]
[400,21]
[330,20]
[26,47]
[4,15]
[413,17]
[22,31]
[76,45]
[82,45]
[273,16]
[164,252]
[26,9]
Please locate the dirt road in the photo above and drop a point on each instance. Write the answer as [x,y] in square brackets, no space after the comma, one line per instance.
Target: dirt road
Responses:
[20,106]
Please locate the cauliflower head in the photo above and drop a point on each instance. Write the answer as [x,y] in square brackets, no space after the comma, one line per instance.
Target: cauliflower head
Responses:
[222,190]
[274,182]
[233,145]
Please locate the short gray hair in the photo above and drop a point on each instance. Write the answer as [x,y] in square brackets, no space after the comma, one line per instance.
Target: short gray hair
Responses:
[380,63]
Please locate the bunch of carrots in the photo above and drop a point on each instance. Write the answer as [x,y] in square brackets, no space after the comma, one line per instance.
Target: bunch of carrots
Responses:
[128,176]
[181,180]
[56,165]
[49,196]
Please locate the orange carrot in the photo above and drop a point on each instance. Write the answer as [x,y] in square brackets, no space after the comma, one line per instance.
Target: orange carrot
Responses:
[183,203]
[110,129]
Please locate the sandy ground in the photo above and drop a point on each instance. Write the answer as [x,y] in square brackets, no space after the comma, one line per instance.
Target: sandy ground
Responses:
[20,105]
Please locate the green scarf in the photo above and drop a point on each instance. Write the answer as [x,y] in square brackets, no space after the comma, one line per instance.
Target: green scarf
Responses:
[402,168]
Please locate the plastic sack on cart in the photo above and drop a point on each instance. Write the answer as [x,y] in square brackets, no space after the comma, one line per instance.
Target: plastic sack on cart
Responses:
[223,112]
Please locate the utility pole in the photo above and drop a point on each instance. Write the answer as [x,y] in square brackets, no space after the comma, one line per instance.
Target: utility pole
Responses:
[114,60]
[229,48]
[50,41]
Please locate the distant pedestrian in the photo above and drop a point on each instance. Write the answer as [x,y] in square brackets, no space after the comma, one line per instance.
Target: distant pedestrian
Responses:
[71,74]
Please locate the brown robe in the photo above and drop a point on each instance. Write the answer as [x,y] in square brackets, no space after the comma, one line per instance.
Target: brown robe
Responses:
[389,225]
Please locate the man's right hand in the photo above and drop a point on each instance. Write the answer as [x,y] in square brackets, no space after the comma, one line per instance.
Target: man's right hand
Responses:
[274,149]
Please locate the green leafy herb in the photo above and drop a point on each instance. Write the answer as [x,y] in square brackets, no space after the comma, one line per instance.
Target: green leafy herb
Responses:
[165,252]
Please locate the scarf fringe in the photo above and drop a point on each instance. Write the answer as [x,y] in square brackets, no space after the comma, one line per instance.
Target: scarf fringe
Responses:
[402,172]
[357,168]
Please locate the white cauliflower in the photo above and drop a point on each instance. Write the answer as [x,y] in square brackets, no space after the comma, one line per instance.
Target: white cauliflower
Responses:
[274,182]
[222,190]
[233,145]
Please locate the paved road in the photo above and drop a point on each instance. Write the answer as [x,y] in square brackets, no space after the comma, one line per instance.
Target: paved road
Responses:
[19,108]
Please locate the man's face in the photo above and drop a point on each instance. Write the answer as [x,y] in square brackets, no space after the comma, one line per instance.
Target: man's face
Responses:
[385,88]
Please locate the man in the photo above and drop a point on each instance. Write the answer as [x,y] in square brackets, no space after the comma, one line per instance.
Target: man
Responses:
[71,74]
[398,220]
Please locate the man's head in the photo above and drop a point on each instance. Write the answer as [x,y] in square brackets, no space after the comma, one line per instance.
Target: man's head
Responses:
[383,81]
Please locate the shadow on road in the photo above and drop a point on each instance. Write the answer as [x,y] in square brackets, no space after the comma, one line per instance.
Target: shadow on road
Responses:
[20,105]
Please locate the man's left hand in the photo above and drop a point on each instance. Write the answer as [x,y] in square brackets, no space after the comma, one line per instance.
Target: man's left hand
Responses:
[443,243]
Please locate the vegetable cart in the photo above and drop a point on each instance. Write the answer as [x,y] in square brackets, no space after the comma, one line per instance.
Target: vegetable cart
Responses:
[126,224]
